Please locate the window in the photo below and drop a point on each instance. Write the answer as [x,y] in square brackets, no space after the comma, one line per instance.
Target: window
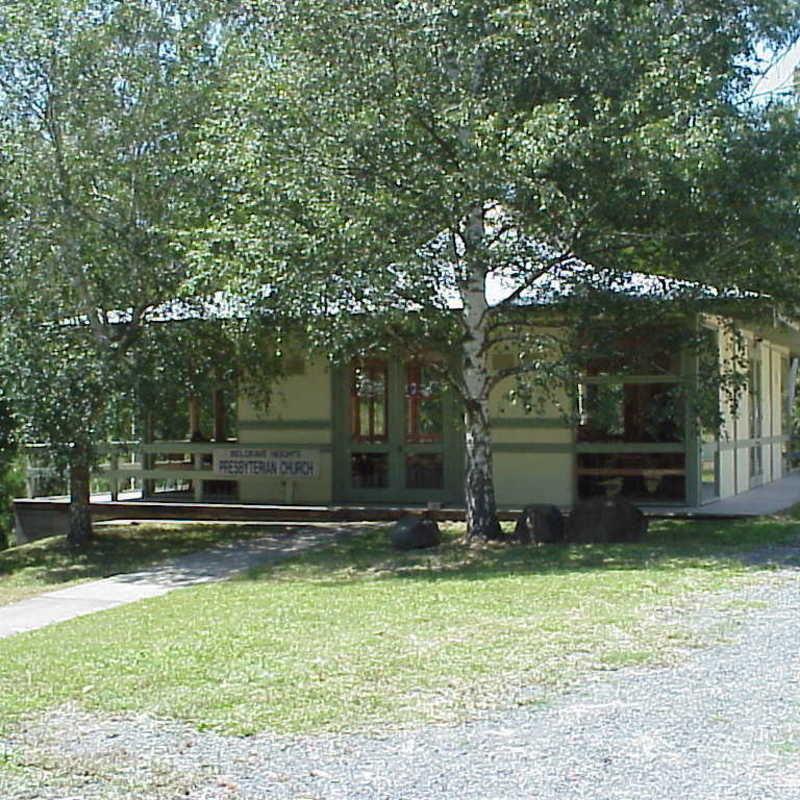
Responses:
[423,398]
[709,477]
[369,401]
[707,400]
[756,398]
[630,412]
[631,399]
[756,395]
[649,350]
[786,398]
[369,470]
[425,471]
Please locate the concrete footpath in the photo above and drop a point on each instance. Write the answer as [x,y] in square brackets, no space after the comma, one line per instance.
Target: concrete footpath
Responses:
[215,564]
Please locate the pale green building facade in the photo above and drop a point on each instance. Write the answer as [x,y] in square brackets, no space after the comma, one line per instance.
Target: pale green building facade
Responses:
[383,431]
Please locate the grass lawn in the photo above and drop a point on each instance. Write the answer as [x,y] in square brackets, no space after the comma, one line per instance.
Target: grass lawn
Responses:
[358,636]
[49,564]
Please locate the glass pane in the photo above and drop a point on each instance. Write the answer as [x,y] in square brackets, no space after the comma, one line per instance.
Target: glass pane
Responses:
[756,395]
[630,412]
[424,415]
[786,420]
[648,350]
[369,470]
[601,408]
[791,456]
[710,477]
[707,399]
[369,400]
[425,471]
[635,476]
[221,490]
[756,463]
[363,420]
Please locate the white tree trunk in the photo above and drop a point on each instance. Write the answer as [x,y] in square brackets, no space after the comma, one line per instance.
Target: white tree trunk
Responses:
[481,510]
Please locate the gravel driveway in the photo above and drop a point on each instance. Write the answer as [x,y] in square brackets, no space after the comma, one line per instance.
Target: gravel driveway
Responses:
[723,725]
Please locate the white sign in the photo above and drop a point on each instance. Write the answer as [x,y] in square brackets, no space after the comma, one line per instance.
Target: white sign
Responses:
[270,462]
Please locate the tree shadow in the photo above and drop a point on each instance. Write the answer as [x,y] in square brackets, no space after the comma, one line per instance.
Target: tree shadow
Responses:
[668,545]
[120,549]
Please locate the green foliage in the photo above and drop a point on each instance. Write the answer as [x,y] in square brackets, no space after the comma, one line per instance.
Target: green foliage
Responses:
[12,485]
[12,482]
[369,173]
[424,174]
[101,105]
[606,131]
[197,356]
[64,392]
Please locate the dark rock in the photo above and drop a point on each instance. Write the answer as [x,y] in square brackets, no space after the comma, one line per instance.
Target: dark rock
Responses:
[605,520]
[539,524]
[412,533]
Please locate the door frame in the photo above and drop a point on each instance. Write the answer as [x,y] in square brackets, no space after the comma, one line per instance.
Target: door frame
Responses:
[451,446]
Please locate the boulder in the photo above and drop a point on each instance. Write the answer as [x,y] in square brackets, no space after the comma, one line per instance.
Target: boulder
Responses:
[539,524]
[605,520]
[413,533]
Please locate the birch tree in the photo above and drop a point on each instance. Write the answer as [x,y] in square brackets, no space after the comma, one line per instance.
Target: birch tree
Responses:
[403,160]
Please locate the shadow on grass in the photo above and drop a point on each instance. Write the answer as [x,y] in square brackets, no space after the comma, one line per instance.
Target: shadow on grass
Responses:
[367,555]
[668,545]
[116,549]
